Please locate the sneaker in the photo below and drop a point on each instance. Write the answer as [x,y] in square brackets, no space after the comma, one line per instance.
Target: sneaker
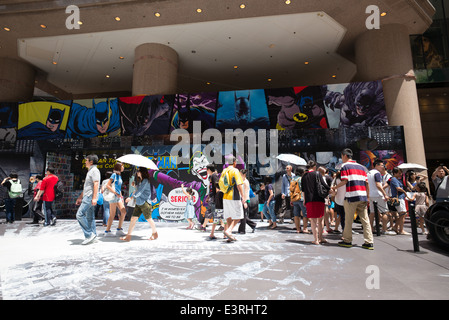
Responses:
[390,233]
[53,221]
[345,244]
[108,233]
[89,240]
[120,232]
[368,246]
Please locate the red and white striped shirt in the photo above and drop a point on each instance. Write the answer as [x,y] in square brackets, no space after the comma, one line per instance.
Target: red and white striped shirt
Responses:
[357,178]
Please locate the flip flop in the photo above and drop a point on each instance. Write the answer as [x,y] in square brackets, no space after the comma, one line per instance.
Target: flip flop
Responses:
[229,237]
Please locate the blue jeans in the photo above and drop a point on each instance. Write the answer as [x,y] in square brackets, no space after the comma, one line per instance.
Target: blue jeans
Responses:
[86,217]
[271,215]
[10,207]
[48,211]
[105,212]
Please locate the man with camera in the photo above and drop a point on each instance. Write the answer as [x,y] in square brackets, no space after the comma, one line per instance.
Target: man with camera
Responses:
[441,183]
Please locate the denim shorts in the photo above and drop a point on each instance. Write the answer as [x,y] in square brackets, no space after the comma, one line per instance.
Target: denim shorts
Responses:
[298,208]
[116,199]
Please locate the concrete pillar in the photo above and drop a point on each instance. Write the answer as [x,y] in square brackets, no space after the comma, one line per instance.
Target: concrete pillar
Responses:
[385,53]
[155,70]
[16,80]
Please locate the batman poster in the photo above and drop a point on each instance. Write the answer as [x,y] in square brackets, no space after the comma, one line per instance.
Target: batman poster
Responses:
[296,108]
[145,115]
[90,118]
[43,120]
[194,107]
[8,121]
[244,109]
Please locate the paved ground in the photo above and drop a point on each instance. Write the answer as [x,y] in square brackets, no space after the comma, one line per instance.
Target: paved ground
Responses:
[50,263]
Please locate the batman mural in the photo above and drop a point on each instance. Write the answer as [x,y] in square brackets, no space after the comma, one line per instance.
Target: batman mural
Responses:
[101,119]
[43,120]
[145,115]
[8,121]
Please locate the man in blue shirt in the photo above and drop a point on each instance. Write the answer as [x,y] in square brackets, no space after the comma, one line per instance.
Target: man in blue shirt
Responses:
[397,191]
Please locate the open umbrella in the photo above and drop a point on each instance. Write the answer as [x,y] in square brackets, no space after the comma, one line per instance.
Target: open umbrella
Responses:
[293,159]
[138,161]
[411,166]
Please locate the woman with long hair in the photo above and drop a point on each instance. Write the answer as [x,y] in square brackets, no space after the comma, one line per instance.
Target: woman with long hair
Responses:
[114,185]
[142,195]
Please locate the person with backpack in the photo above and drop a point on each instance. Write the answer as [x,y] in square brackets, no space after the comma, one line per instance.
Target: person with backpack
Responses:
[12,183]
[47,191]
[297,201]
[234,198]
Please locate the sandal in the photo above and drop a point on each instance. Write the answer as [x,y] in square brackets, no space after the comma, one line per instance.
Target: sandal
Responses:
[154,236]
[229,237]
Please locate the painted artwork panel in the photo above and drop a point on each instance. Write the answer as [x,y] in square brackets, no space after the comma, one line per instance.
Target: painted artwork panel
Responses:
[145,115]
[94,118]
[194,107]
[9,116]
[43,120]
[296,108]
[242,109]
[355,104]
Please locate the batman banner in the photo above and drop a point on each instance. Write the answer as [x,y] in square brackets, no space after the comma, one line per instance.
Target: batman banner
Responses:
[145,115]
[89,119]
[43,120]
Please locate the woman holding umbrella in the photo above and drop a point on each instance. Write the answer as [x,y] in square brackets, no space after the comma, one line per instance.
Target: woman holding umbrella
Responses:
[142,195]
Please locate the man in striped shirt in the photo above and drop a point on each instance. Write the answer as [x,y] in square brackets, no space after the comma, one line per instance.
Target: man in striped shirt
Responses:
[354,176]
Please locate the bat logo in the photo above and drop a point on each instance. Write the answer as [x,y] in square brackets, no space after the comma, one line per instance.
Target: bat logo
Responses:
[300,117]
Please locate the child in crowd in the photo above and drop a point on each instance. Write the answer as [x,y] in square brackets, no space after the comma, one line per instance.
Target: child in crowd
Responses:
[189,214]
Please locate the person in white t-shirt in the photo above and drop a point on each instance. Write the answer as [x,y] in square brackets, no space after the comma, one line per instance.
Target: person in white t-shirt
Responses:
[339,199]
[377,192]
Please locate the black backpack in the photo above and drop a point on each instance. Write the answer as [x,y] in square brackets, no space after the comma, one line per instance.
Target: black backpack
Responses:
[59,190]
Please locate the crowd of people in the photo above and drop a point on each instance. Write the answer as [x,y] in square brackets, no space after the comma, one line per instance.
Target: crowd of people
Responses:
[324,200]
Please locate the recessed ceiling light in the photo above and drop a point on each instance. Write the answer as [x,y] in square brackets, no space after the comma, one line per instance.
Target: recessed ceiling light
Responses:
[242,6]
[235,67]
[54,62]
[43,26]
[80,22]
[117,18]
[307,62]
[269,79]
[157,14]
[208,83]
[199,10]
[288,2]
[121,58]
[383,14]
[271,46]
[107,76]
[334,76]
[6,29]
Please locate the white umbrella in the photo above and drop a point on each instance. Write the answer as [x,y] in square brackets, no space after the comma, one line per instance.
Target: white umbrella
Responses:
[138,161]
[411,166]
[293,159]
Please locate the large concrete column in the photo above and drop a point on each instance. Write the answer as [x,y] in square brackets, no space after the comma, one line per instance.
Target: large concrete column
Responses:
[16,80]
[155,69]
[385,53]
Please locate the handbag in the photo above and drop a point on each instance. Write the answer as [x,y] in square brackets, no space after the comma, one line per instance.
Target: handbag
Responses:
[394,202]
[108,195]
[323,191]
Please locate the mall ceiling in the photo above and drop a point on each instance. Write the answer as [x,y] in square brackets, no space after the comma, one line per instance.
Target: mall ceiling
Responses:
[222,45]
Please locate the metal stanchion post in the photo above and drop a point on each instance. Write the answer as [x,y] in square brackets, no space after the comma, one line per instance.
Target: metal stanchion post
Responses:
[376,217]
[412,215]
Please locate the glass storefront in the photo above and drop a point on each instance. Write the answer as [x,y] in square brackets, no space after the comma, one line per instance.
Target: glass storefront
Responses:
[431,50]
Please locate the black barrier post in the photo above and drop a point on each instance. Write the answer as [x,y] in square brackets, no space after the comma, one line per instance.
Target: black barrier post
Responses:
[376,216]
[412,214]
